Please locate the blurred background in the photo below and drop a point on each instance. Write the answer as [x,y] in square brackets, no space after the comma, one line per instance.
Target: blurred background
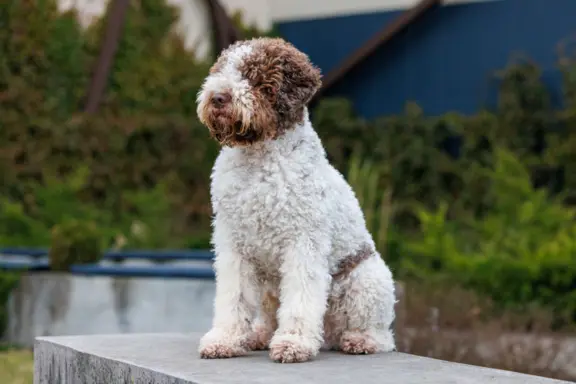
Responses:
[454,121]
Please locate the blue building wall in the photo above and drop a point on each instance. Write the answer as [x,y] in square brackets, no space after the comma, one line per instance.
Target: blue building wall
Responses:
[447,60]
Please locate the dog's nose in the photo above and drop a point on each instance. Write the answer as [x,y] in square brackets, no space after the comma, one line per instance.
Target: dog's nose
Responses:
[220,99]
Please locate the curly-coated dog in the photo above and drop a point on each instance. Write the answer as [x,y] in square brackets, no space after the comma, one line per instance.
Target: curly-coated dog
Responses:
[295,265]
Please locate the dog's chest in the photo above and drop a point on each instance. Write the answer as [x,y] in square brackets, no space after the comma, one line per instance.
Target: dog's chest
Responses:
[257,204]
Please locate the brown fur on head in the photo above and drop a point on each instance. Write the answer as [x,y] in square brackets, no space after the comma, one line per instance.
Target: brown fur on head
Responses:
[256,90]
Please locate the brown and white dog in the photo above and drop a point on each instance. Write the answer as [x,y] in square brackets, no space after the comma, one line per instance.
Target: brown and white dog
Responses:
[296,267]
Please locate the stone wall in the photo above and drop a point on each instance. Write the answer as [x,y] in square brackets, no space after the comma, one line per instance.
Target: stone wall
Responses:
[54,304]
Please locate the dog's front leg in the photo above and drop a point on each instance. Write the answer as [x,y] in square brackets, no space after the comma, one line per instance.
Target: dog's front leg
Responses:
[303,299]
[234,307]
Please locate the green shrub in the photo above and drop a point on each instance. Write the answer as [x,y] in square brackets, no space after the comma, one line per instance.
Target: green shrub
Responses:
[74,242]
[8,281]
[144,152]
[135,219]
[522,251]
[366,179]
[17,228]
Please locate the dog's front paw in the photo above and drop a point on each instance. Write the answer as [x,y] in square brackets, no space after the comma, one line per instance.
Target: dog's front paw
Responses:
[218,344]
[357,343]
[292,349]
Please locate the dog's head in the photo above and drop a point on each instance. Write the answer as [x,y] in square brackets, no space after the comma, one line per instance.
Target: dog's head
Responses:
[256,90]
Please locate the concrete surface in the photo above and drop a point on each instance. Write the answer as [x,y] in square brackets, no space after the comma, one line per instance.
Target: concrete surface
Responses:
[173,359]
[58,304]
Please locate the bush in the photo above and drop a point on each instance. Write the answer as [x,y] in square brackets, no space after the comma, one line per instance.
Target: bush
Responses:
[8,281]
[136,219]
[74,242]
[144,151]
[365,178]
[520,252]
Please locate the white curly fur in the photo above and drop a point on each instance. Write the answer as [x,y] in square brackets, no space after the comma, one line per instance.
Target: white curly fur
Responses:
[284,220]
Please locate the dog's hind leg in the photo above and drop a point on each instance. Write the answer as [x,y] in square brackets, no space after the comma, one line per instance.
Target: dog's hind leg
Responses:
[367,303]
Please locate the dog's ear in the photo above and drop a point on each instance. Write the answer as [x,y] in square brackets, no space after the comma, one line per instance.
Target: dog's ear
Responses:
[301,79]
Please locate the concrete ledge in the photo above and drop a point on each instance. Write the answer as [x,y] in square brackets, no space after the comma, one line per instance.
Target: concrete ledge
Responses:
[172,359]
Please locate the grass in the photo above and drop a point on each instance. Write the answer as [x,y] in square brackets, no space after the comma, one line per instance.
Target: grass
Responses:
[16,366]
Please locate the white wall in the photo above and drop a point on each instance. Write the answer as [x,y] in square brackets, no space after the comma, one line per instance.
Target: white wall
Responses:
[283,10]
[54,304]
[305,9]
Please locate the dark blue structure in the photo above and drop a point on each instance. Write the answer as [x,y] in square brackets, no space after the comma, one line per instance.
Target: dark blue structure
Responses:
[446,60]
[36,260]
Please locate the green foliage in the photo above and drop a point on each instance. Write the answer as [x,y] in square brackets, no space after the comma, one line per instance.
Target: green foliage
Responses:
[8,281]
[74,242]
[17,227]
[136,219]
[408,146]
[520,252]
[365,178]
[143,158]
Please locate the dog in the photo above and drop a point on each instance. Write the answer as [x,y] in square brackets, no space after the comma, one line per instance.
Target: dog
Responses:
[296,268]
